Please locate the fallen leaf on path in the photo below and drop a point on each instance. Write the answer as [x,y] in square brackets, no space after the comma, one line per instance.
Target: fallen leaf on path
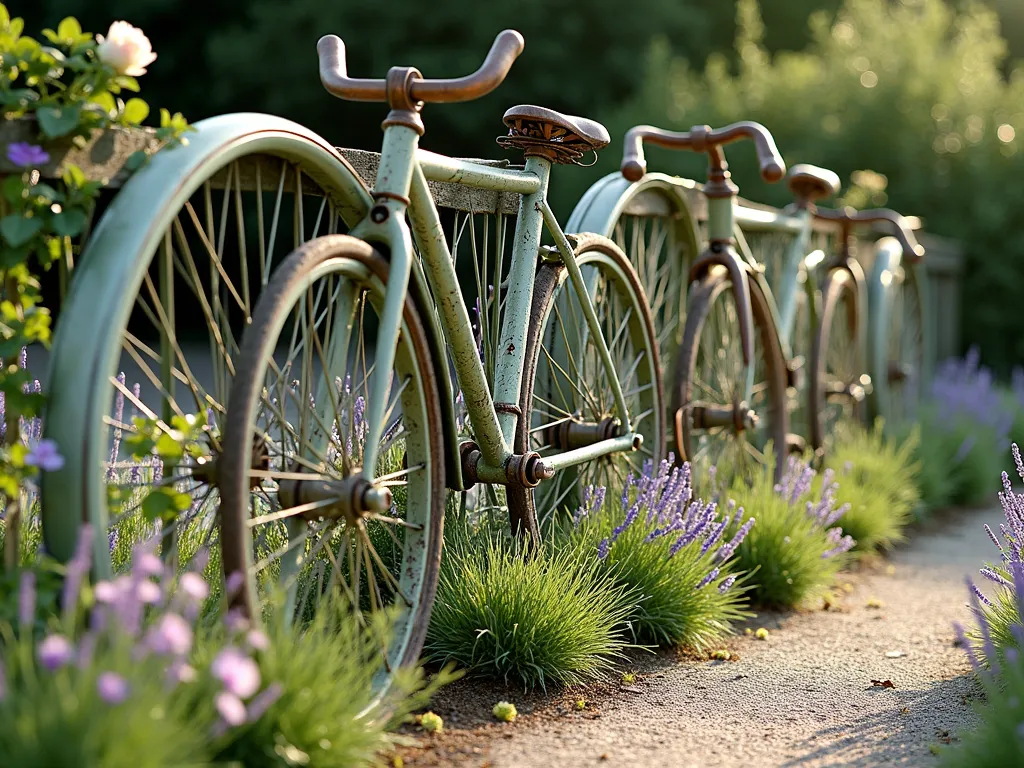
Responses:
[895,654]
[630,689]
[882,684]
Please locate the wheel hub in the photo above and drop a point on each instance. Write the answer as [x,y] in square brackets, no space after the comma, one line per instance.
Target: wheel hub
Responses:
[350,498]
[571,434]
[738,416]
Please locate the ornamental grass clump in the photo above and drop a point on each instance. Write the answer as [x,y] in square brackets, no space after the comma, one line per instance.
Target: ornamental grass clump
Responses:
[548,617]
[878,479]
[998,740]
[670,550]
[796,548]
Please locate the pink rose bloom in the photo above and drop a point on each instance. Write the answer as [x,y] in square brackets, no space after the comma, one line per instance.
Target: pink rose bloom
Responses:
[126,49]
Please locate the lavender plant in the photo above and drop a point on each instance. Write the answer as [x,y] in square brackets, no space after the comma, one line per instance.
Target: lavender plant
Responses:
[1000,614]
[965,429]
[796,548]
[133,672]
[998,740]
[670,548]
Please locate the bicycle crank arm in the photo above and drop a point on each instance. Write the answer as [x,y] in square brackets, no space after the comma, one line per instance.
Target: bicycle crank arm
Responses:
[630,442]
[528,470]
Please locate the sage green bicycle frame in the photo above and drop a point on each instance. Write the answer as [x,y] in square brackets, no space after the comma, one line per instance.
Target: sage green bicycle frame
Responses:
[401,187]
[728,219]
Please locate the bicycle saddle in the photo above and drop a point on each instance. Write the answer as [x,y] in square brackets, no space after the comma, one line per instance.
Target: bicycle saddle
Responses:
[561,138]
[810,183]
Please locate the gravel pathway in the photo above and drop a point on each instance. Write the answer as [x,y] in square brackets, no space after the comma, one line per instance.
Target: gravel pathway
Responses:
[804,697]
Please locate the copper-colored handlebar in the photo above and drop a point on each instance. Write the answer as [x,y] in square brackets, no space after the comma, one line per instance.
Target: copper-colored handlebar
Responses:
[334,74]
[701,139]
[912,250]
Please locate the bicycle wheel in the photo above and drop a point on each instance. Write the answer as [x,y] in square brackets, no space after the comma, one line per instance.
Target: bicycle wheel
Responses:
[163,290]
[566,397]
[651,221]
[898,374]
[835,387]
[717,424]
[300,517]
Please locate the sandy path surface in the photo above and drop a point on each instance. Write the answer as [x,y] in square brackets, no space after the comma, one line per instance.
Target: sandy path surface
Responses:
[803,698]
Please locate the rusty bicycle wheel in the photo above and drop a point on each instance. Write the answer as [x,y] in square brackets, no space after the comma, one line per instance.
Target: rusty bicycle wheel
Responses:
[566,397]
[716,425]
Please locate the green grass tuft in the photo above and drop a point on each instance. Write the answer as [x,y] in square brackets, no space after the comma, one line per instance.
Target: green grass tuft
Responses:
[550,618]
[878,478]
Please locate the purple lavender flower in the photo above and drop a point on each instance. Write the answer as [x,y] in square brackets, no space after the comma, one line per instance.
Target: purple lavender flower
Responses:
[27,599]
[25,155]
[77,568]
[112,688]
[239,673]
[709,578]
[171,635]
[796,484]
[194,586]
[46,456]
[115,448]
[230,708]
[54,652]
[264,701]
[726,584]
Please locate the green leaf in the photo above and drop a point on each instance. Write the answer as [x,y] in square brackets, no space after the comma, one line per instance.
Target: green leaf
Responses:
[136,160]
[18,230]
[45,191]
[14,189]
[58,121]
[128,83]
[135,111]
[69,29]
[74,177]
[169,449]
[105,100]
[5,17]
[70,222]
[158,505]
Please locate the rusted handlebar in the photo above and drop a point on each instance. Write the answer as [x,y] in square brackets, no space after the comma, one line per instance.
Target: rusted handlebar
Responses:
[912,250]
[334,74]
[701,138]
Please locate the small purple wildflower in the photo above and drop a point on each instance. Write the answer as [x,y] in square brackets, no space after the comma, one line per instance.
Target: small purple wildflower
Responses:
[171,635]
[194,586]
[25,155]
[257,640]
[54,652]
[112,688]
[239,673]
[45,456]
[230,708]
[726,584]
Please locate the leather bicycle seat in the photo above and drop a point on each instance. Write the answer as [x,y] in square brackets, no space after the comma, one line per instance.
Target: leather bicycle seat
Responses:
[559,127]
[809,182]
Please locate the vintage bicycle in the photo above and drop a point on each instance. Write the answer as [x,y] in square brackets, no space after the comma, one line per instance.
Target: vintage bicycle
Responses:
[741,358]
[338,444]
